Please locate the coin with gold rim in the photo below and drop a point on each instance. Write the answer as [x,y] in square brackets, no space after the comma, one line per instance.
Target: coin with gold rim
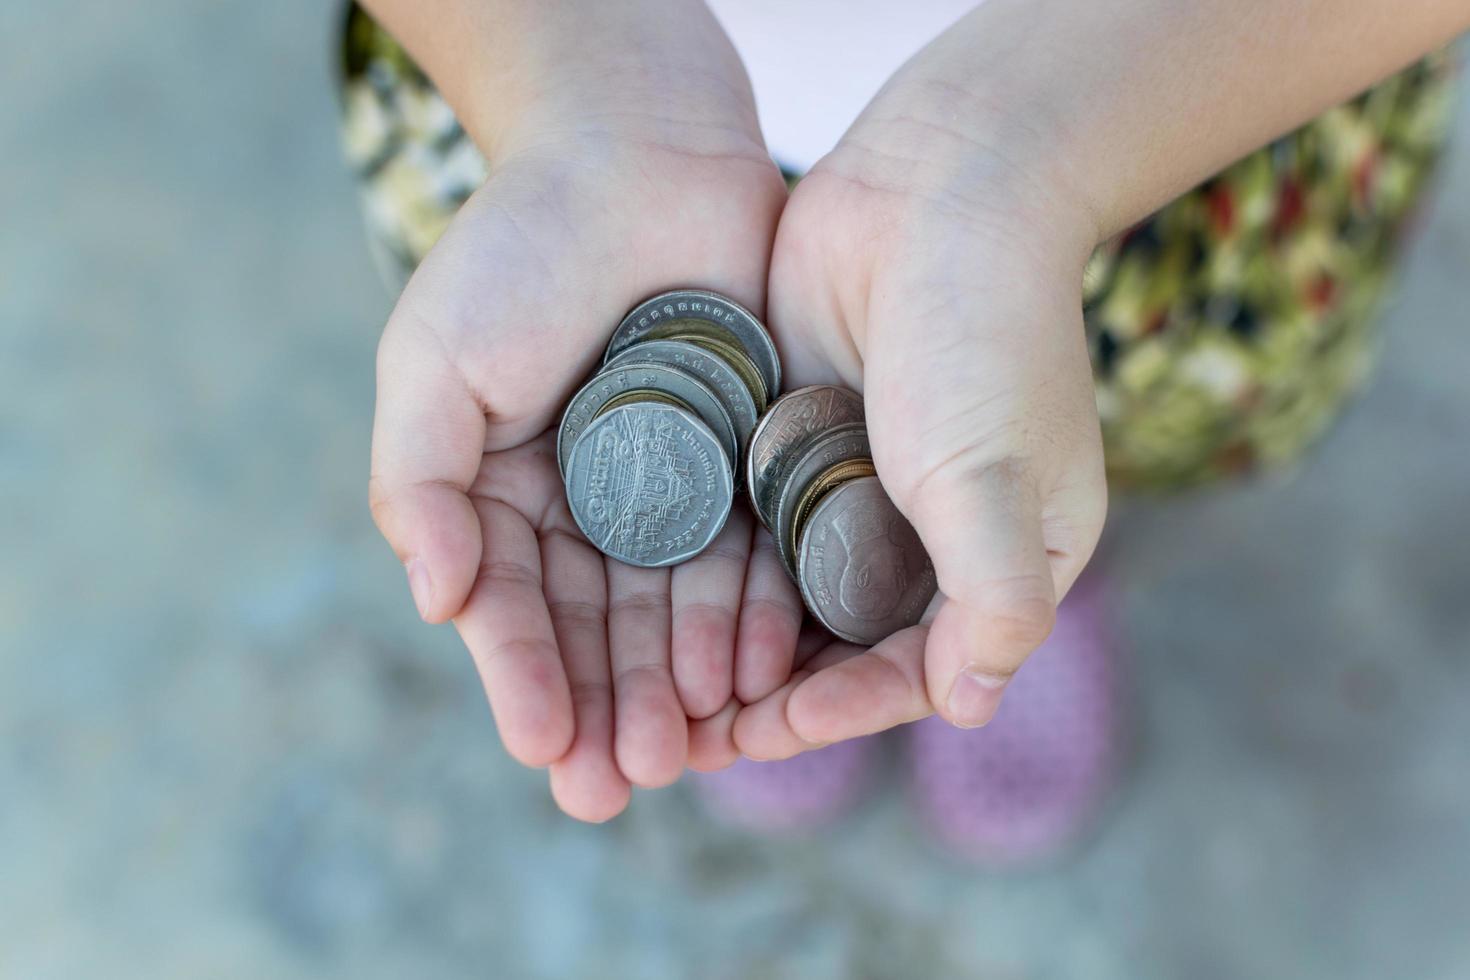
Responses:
[674,382]
[792,420]
[711,369]
[842,444]
[676,310]
[832,478]
[862,570]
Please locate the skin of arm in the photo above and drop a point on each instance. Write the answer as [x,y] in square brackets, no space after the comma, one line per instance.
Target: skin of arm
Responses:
[1117,108]
[499,61]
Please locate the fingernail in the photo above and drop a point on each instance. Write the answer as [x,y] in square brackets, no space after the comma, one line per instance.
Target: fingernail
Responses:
[975,697]
[420,586]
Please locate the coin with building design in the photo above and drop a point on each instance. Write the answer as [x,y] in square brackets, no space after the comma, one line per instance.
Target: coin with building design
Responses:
[649,484]
[620,383]
[712,369]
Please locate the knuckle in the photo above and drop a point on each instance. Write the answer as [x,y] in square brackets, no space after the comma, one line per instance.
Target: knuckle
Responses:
[704,611]
[660,674]
[576,615]
[725,554]
[590,694]
[379,502]
[508,573]
[764,608]
[1018,613]
[523,650]
[394,502]
[902,679]
[978,468]
[382,506]
[641,604]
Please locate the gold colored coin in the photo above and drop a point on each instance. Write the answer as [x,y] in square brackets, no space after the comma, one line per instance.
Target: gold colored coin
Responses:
[723,344]
[699,310]
[827,481]
[641,395]
[734,355]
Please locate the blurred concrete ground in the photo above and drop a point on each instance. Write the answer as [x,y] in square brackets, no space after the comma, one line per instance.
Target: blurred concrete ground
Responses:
[228,749]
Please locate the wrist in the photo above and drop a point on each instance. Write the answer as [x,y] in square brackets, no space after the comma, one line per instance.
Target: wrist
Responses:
[957,166]
[521,72]
[1120,108]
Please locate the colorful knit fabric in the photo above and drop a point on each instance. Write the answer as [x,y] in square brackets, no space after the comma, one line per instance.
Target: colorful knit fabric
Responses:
[1226,330]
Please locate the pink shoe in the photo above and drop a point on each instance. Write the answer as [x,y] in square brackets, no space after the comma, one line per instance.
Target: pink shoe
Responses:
[801,793]
[1028,783]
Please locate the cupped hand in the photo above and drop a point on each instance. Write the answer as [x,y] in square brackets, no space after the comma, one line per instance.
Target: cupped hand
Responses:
[608,674]
[941,277]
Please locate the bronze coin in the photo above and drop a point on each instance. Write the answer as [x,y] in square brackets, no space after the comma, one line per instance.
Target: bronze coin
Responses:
[863,571]
[792,420]
[838,445]
[830,480]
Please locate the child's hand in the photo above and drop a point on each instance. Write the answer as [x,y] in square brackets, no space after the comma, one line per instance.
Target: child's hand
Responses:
[619,180]
[935,259]
[916,265]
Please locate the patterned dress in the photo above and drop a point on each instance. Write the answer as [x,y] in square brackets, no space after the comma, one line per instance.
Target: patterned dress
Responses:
[1227,330]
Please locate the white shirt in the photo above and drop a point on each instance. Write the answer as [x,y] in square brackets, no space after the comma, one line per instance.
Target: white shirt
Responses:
[816,63]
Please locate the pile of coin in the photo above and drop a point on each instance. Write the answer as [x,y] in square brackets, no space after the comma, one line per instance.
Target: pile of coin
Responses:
[651,447]
[862,571]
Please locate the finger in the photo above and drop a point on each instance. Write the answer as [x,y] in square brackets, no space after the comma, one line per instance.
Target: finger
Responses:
[507,628]
[983,530]
[712,740]
[770,621]
[650,729]
[586,782]
[762,731]
[843,692]
[862,693]
[428,436]
[706,595]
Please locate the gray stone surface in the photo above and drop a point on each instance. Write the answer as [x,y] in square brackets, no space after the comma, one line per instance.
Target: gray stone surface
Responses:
[227,748]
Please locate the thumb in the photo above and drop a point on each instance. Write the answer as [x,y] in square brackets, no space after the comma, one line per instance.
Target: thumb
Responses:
[995,459]
[428,437]
[982,526]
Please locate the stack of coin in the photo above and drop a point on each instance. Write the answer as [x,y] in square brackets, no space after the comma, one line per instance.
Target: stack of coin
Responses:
[861,568]
[650,448]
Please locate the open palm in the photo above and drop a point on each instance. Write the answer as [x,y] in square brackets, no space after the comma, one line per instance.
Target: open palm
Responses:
[608,674]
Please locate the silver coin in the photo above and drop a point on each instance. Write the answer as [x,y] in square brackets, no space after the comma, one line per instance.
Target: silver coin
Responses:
[649,484]
[652,315]
[790,422]
[612,382]
[838,445]
[712,369]
[863,571]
